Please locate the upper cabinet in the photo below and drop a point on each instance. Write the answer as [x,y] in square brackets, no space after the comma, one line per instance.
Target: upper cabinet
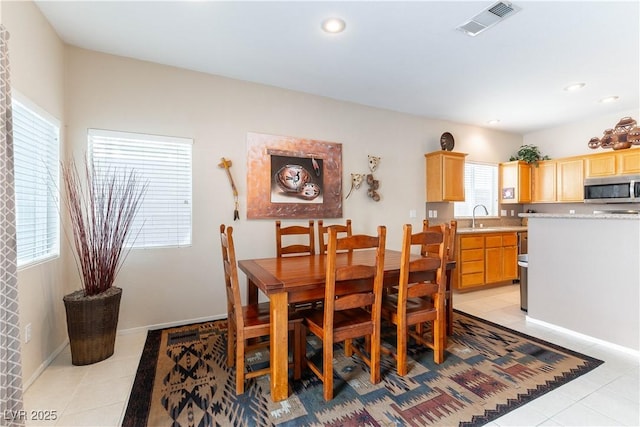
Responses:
[621,162]
[570,179]
[515,182]
[445,176]
[544,182]
[628,161]
[601,164]
[559,180]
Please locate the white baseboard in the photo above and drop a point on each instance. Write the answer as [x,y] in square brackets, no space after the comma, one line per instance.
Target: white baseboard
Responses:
[589,338]
[170,324]
[26,384]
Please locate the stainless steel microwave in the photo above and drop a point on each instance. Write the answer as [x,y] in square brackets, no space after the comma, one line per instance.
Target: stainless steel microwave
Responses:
[612,189]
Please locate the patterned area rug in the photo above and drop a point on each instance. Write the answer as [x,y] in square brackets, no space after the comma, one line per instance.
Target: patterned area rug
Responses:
[183,380]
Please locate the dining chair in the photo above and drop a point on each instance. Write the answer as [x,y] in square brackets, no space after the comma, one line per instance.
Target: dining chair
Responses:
[351,309]
[307,248]
[297,248]
[248,323]
[419,301]
[451,256]
[323,233]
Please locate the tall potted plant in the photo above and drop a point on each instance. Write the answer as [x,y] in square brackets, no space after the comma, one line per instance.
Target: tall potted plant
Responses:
[101,210]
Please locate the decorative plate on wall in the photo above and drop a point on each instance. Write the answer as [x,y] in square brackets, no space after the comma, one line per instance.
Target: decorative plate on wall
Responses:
[446,141]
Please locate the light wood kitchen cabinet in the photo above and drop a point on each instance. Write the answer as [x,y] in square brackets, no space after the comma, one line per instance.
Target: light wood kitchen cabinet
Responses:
[544,182]
[510,270]
[445,176]
[515,182]
[622,162]
[570,179]
[559,180]
[628,161]
[601,164]
[501,257]
[562,180]
[471,256]
[486,258]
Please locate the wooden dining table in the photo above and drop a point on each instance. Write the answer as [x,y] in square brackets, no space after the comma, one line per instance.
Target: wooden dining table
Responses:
[295,279]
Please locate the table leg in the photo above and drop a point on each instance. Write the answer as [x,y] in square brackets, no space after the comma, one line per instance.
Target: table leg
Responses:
[449,306]
[252,292]
[279,346]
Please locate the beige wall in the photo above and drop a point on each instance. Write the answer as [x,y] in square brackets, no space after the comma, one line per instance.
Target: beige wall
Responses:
[37,72]
[174,285]
[571,140]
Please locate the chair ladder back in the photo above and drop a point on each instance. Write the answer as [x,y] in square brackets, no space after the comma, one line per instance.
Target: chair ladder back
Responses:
[308,247]
[435,259]
[346,302]
[245,323]
[230,266]
[420,288]
[427,297]
[333,323]
[363,299]
[323,233]
[436,239]
[453,229]
[356,241]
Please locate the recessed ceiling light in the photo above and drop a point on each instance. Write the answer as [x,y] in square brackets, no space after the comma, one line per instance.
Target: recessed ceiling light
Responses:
[574,86]
[333,25]
[493,122]
[609,99]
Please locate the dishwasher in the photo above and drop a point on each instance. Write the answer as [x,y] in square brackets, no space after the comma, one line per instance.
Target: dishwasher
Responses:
[523,263]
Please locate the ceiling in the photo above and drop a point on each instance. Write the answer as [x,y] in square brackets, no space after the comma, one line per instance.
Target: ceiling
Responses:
[401,56]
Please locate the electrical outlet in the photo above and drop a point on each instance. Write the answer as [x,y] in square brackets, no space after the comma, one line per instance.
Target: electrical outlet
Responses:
[27,333]
[430,213]
[572,211]
[412,213]
[503,212]
[512,212]
[435,214]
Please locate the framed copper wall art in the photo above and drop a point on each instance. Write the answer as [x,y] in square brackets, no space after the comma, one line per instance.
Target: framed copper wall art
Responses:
[290,177]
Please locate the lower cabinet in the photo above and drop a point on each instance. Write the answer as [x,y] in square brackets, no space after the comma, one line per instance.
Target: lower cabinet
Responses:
[471,270]
[486,258]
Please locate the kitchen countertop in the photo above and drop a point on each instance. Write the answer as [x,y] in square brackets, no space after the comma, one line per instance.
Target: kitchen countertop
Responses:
[580,216]
[500,229]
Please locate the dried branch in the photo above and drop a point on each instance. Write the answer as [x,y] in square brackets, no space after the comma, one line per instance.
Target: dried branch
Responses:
[102,209]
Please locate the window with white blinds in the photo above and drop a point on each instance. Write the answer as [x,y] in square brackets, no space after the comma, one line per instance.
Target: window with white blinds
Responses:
[480,188]
[36,160]
[164,163]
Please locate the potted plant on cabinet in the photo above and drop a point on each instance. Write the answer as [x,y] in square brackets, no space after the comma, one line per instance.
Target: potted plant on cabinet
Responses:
[530,154]
[101,210]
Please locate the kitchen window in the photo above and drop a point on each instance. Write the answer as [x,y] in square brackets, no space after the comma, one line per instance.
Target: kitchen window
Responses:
[480,188]
[164,218]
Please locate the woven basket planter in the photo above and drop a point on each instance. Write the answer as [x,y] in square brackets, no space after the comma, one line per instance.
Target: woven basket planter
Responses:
[91,324]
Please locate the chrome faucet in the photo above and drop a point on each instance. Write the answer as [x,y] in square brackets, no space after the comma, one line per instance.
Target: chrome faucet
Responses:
[473,214]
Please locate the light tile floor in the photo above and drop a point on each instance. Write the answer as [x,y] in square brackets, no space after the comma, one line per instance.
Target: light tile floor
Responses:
[97,395]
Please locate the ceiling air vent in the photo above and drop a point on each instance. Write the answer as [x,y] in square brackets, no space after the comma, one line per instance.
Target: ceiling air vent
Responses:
[488,18]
